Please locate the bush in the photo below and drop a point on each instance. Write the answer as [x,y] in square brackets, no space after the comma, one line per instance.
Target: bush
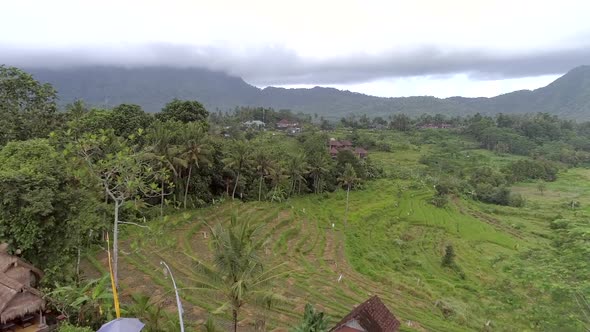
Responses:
[449,257]
[516,200]
[559,224]
[440,200]
[67,327]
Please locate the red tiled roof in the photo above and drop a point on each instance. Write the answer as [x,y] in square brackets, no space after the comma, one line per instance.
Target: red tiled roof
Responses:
[372,315]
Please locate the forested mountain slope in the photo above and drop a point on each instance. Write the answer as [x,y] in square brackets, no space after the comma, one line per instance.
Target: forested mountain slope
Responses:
[568,96]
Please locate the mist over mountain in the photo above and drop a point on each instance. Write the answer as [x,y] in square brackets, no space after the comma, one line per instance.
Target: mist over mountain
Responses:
[152,87]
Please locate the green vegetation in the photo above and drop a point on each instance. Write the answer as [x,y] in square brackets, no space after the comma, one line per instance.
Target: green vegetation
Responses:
[458,224]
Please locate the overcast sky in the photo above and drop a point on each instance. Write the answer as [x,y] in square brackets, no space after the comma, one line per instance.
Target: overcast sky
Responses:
[386,48]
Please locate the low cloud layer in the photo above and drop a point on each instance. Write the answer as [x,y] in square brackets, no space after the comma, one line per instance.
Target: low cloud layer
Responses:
[275,65]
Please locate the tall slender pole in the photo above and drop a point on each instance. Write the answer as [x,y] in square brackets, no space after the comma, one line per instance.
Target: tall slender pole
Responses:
[177,297]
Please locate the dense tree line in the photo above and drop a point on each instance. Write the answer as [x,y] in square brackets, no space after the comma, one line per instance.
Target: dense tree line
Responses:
[60,167]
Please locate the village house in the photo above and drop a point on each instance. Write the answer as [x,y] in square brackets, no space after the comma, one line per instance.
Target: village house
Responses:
[370,316]
[21,304]
[254,124]
[285,124]
[335,146]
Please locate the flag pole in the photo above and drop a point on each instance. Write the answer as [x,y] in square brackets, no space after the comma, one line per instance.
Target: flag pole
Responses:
[115,294]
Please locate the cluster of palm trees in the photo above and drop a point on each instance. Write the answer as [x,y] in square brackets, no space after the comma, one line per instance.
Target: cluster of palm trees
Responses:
[183,151]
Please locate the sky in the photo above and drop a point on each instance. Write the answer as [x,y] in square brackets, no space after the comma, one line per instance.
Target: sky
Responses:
[385,48]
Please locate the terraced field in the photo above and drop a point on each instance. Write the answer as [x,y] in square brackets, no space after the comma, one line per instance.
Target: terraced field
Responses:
[392,246]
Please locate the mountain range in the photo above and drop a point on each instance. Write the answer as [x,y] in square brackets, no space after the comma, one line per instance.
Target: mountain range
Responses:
[153,87]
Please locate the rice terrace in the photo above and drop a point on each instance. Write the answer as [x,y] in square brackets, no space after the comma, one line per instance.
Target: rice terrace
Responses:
[392,246]
[295,166]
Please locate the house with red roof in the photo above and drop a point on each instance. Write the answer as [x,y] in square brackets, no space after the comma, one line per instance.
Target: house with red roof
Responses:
[370,316]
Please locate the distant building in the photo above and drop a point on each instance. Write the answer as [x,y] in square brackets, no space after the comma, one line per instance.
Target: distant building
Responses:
[335,146]
[370,316]
[284,124]
[255,124]
[436,126]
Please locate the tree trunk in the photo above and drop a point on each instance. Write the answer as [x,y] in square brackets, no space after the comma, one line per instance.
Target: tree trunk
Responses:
[116,244]
[162,200]
[235,317]
[190,168]
[260,187]
[346,212]
[78,262]
[233,194]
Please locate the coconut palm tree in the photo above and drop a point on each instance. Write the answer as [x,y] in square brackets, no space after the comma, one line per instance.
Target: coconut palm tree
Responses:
[237,160]
[166,153]
[196,151]
[319,164]
[296,169]
[348,179]
[238,273]
[264,166]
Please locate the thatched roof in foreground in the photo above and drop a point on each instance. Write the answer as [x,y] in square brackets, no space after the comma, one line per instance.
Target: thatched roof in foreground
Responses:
[17,297]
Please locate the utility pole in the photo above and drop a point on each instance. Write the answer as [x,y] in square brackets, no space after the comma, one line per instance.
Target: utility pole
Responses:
[177,297]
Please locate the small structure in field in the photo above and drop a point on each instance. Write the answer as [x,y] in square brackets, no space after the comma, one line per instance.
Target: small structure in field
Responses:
[370,316]
[19,300]
[335,146]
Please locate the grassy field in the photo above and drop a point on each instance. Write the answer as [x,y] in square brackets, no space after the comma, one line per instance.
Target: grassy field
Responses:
[392,246]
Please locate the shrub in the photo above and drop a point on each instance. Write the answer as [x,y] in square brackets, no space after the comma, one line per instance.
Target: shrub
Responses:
[516,200]
[559,224]
[440,200]
[67,327]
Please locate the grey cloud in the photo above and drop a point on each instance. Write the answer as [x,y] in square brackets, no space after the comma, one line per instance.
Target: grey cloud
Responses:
[276,65]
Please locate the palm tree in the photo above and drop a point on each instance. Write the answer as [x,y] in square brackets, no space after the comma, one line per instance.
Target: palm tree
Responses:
[297,168]
[264,166]
[313,321]
[348,179]
[144,308]
[319,164]
[197,151]
[164,150]
[238,272]
[237,160]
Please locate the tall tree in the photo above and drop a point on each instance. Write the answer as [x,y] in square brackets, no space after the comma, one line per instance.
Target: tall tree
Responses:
[196,151]
[297,168]
[27,108]
[264,166]
[348,179]
[123,174]
[183,111]
[128,118]
[165,151]
[319,165]
[39,204]
[238,158]
[238,272]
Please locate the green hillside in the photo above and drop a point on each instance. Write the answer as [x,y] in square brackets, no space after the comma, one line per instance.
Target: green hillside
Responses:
[392,246]
[153,87]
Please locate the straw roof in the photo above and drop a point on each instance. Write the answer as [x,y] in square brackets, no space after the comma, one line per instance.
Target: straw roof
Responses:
[17,297]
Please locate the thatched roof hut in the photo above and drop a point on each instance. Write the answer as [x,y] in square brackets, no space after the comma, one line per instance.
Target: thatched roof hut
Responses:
[18,297]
